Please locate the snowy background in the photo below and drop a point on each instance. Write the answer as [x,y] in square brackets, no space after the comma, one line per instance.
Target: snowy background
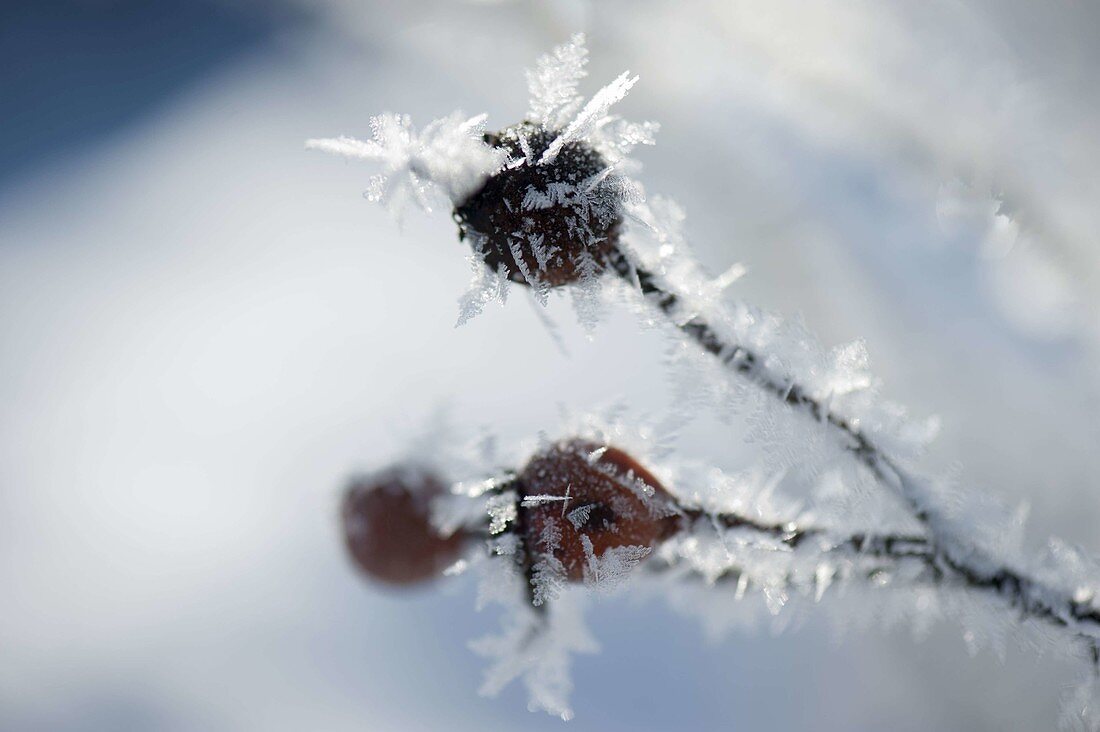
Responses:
[205,328]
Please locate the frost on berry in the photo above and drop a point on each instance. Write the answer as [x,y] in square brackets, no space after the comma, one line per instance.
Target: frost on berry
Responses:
[592,512]
[543,223]
[540,203]
[552,84]
[388,531]
[553,213]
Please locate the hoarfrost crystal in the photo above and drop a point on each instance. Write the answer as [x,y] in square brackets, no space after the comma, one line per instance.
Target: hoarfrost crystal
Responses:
[447,157]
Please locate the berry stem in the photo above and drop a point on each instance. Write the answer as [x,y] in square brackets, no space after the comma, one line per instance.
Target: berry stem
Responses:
[1031,598]
[750,365]
[792,535]
[946,556]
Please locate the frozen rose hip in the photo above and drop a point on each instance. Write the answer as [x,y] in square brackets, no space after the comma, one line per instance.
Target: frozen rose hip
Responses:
[579,489]
[550,222]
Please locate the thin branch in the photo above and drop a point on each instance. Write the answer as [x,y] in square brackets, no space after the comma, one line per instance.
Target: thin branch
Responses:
[750,365]
[894,546]
[948,557]
[892,550]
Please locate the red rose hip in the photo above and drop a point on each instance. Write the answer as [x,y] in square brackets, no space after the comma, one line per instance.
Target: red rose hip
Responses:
[549,222]
[387,529]
[579,489]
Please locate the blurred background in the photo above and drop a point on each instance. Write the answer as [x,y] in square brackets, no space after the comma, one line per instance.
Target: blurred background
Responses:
[205,328]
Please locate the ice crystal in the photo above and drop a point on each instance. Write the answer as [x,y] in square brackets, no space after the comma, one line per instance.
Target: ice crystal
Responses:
[446,160]
[607,572]
[578,516]
[593,113]
[502,511]
[552,84]
[539,650]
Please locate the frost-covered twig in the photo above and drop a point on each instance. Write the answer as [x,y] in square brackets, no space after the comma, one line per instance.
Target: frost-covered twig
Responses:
[1030,597]
[947,555]
[746,363]
[595,499]
[814,545]
[793,534]
[584,512]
